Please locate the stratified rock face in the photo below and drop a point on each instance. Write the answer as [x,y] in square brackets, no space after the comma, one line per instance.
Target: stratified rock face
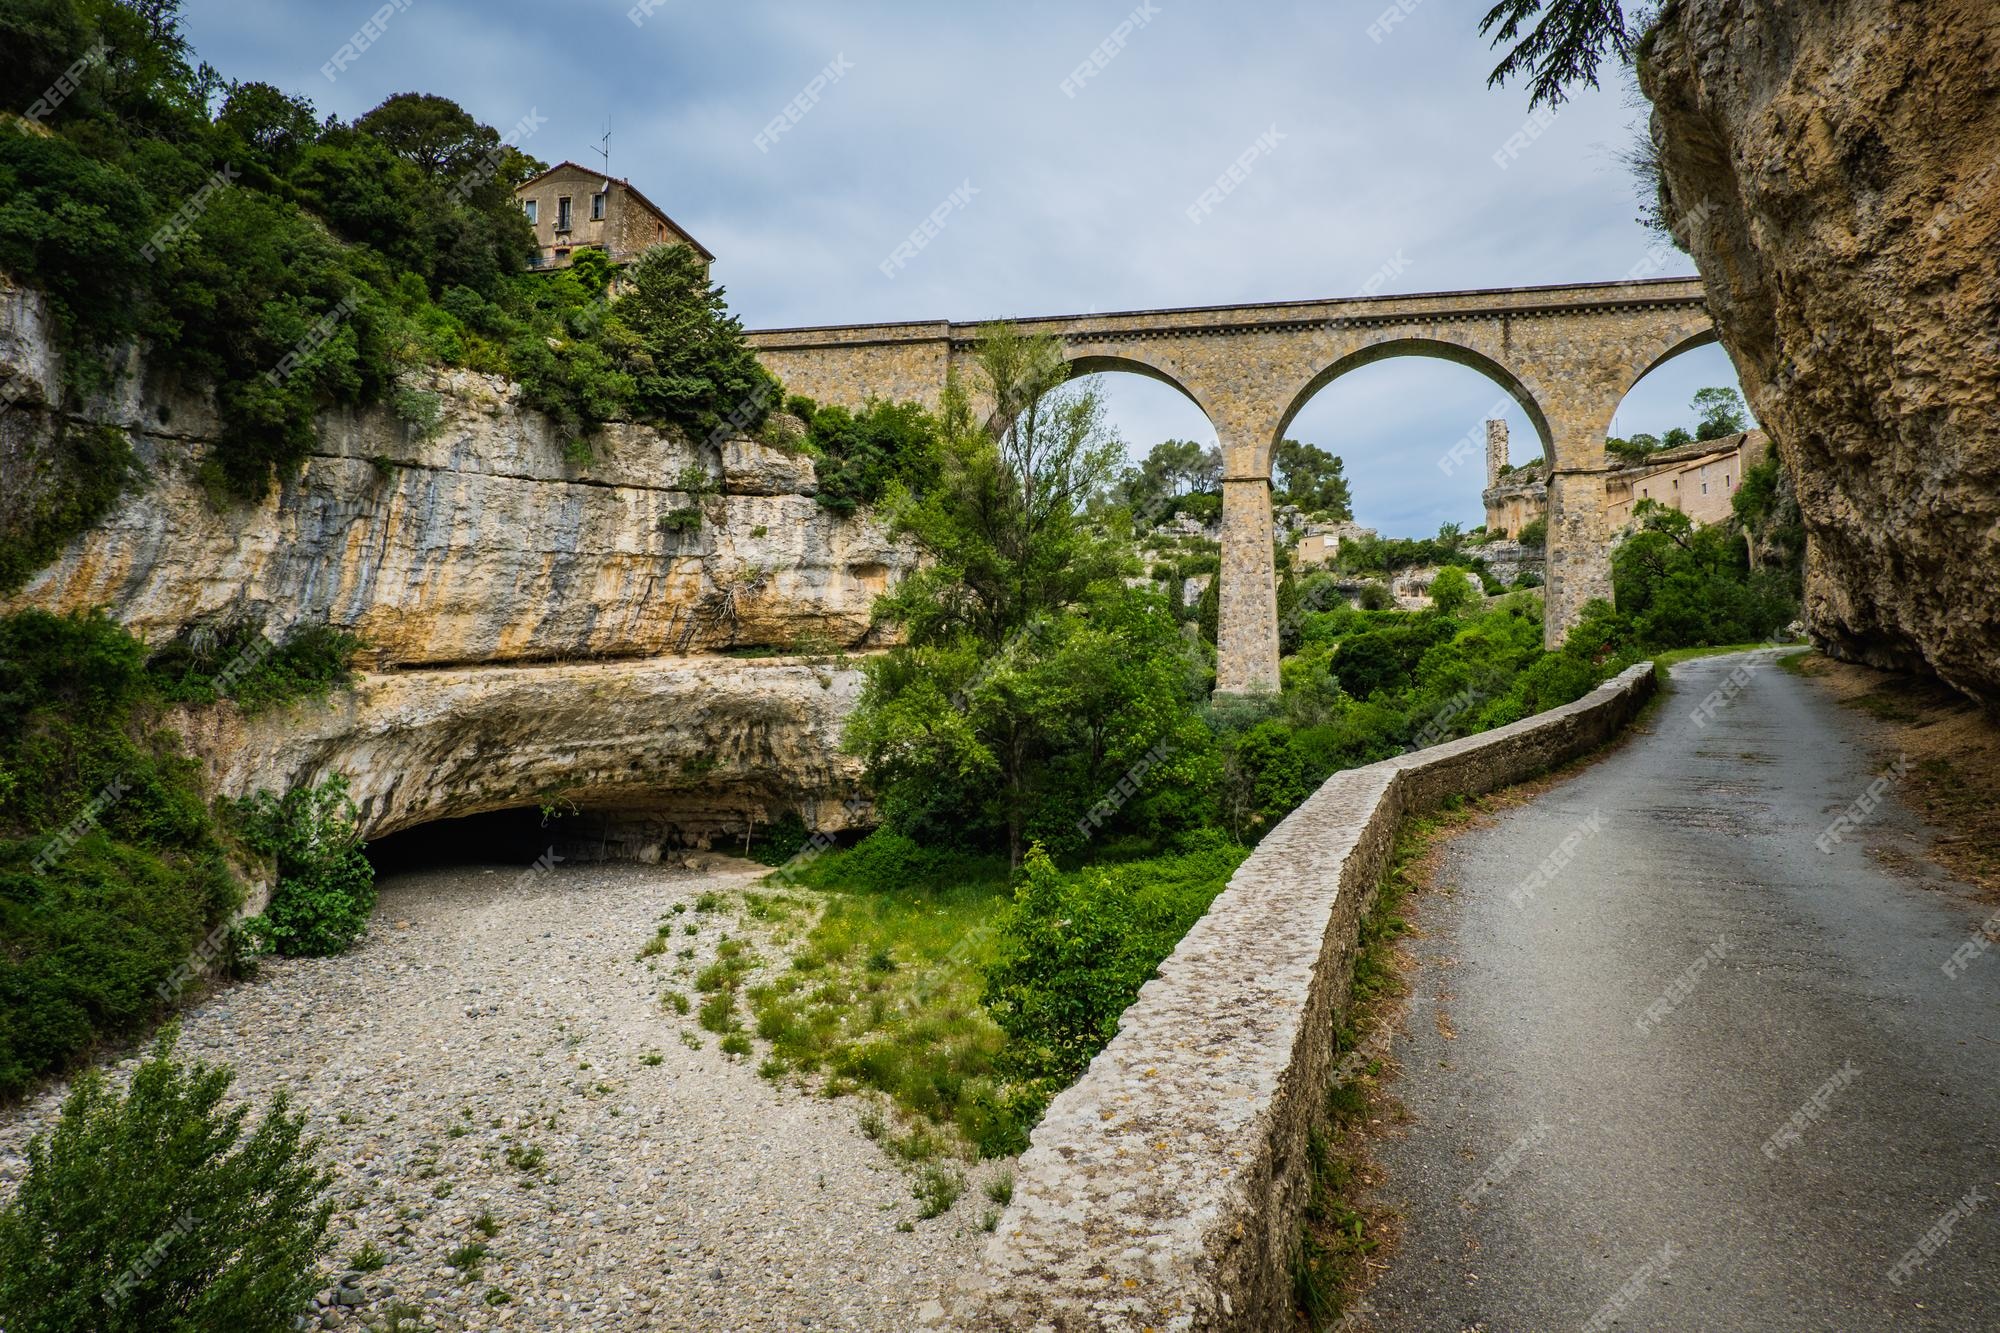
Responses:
[673,751]
[1835,170]
[472,542]
[535,633]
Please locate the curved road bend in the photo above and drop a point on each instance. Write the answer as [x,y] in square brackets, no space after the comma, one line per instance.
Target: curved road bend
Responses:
[1703,1075]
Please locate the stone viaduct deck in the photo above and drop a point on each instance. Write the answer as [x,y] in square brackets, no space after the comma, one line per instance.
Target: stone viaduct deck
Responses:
[1567,354]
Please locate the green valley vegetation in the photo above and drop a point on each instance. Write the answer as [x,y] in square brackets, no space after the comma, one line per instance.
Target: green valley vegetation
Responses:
[117,881]
[1060,799]
[293,263]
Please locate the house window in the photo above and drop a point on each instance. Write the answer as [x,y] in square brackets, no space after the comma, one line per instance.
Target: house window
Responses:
[562,213]
[1704,488]
[1725,481]
[528,207]
[597,208]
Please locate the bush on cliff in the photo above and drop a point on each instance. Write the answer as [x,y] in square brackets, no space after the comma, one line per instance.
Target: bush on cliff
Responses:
[110,869]
[113,871]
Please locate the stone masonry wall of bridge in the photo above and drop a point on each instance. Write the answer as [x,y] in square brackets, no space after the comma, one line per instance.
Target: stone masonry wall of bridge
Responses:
[1566,354]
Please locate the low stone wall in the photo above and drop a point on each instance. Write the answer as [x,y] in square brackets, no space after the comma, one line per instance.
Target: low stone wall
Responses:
[1163,1191]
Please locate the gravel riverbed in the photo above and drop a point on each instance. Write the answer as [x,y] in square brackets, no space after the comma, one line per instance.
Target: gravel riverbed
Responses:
[495,1056]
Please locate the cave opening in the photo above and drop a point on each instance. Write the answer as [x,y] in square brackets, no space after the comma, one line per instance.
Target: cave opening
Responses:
[518,836]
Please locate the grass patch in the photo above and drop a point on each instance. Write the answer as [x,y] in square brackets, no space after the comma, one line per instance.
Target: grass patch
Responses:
[937,1188]
[885,994]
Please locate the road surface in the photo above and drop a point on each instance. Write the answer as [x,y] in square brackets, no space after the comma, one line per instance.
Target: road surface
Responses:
[1678,1058]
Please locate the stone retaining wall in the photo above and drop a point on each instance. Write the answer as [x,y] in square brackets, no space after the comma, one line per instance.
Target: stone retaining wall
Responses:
[1163,1190]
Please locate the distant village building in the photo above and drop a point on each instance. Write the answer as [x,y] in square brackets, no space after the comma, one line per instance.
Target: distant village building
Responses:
[1321,542]
[1698,479]
[573,208]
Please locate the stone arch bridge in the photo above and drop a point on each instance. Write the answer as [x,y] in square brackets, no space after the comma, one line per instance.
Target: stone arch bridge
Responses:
[1567,354]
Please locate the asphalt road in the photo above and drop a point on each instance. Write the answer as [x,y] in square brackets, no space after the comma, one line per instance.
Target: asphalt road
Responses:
[1603,1042]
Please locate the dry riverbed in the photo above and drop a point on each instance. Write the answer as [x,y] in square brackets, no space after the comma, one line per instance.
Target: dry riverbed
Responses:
[493,1067]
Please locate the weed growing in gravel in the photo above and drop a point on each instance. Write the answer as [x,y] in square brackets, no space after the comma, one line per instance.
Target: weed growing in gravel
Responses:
[466,1257]
[368,1259]
[658,944]
[919,1145]
[937,1188]
[708,902]
[400,1317]
[872,1124]
[526,1157]
[773,1068]
[443,1190]
[736,1043]
[495,1296]
[675,1001]
[689,1040]
[486,1225]
[651,1059]
[991,1221]
[689,929]
[457,1131]
[1000,1189]
[718,1012]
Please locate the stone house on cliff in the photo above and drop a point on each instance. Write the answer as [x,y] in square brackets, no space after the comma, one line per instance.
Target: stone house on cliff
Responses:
[573,208]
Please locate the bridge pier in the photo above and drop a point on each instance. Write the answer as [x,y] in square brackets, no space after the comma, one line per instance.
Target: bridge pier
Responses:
[1246,637]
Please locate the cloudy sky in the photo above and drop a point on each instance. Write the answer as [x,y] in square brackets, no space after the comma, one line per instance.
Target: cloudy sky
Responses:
[1380,160]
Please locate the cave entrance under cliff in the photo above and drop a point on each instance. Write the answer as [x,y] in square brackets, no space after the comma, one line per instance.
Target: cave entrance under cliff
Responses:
[513,837]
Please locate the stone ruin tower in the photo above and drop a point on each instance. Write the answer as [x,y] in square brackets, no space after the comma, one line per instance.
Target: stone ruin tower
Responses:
[1496,452]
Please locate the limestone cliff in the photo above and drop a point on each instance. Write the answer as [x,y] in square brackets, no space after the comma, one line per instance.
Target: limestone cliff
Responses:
[1833,170]
[533,629]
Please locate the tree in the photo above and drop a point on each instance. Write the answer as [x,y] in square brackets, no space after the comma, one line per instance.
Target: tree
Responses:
[155,1211]
[1173,469]
[1451,590]
[1721,411]
[435,134]
[274,127]
[1567,42]
[1030,678]
[1313,479]
[1004,527]
[672,333]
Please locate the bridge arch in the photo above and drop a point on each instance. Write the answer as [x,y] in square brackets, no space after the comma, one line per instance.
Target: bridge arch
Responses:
[1088,362]
[1435,348]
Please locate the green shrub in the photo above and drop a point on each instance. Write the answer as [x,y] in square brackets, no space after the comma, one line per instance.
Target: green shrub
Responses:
[155,1211]
[1535,534]
[325,889]
[237,660]
[1075,948]
[111,873]
[779,842]
[862,453]
[93,466]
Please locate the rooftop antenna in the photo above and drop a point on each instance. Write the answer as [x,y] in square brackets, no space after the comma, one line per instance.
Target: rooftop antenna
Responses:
[603,148]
